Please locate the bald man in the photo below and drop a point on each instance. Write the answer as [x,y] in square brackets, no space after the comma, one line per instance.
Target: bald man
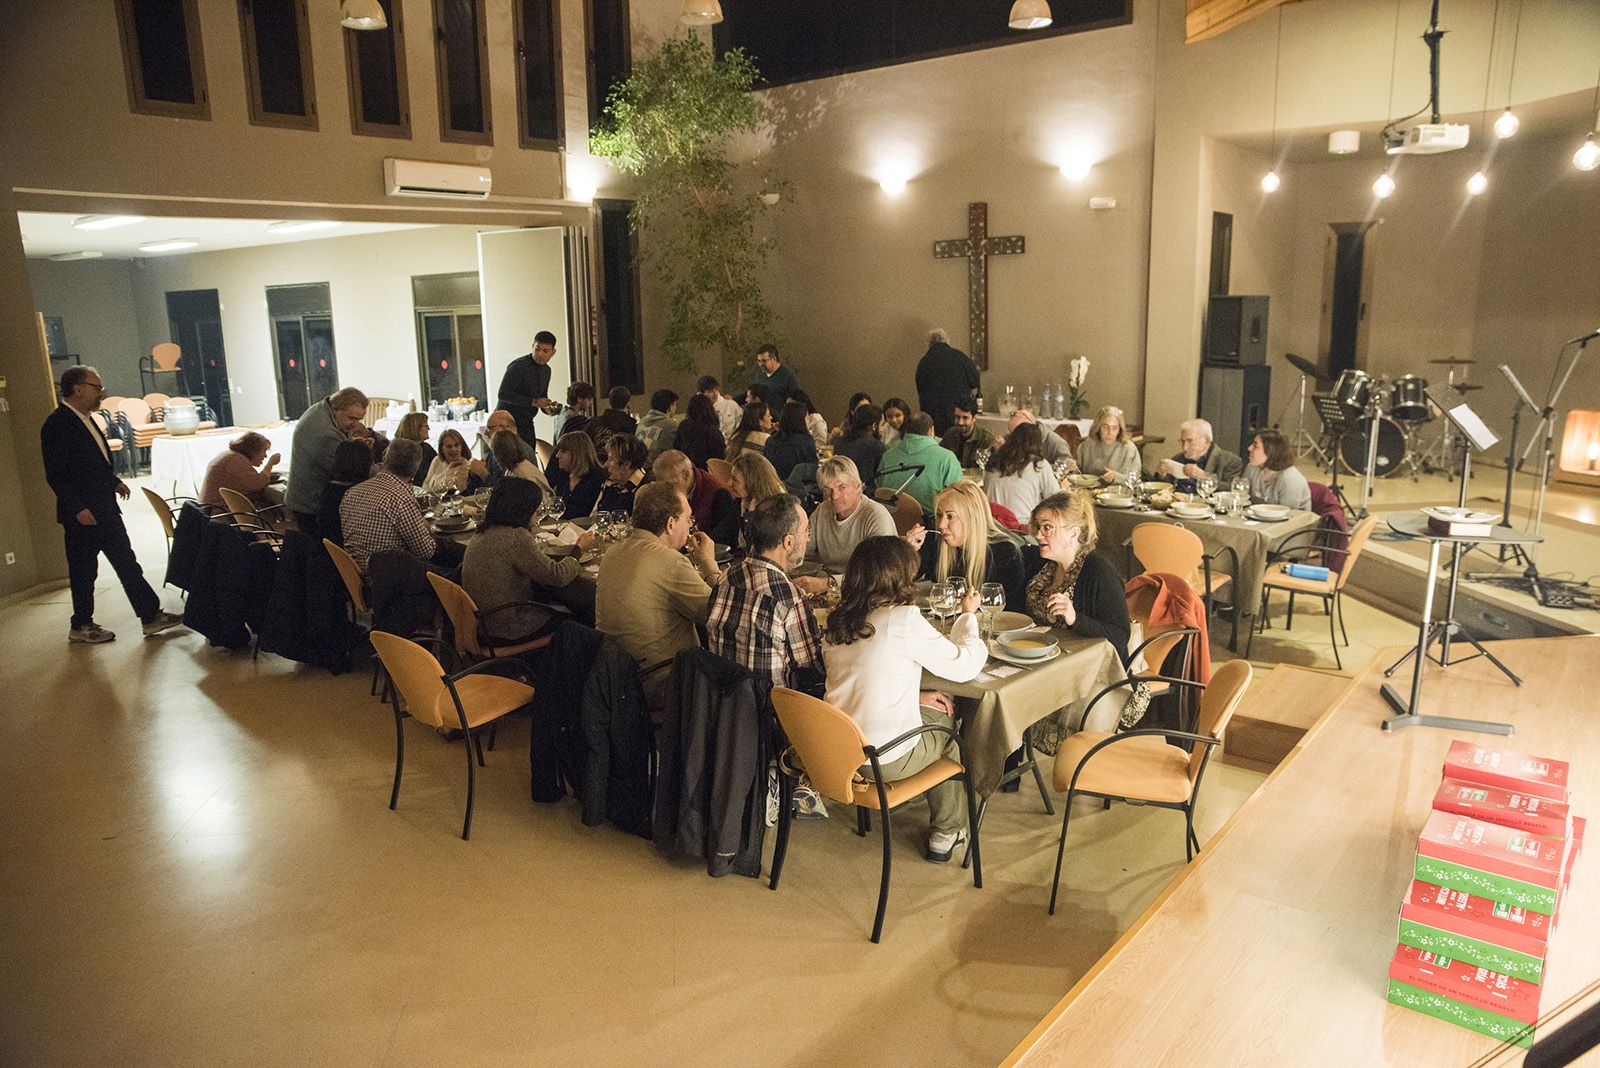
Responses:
[713,507]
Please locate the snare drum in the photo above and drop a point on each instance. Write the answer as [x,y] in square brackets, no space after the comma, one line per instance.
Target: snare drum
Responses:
[1353,390]
[1409,401]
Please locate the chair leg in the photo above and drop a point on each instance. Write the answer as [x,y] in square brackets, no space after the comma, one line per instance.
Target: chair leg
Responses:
[1061,849]
[1038,776]
[1188,835]
[1189,818]
[1105,805]
[492,728]
[1338,601]
[466,824]
[983,808]
[883,886]
[1333,635]
[779,851]
[399,754]
[863,822]
[974,822]
[475,745]
[372,690]
[1288,620]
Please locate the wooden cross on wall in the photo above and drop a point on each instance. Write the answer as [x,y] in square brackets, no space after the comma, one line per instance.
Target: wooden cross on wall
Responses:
[976,248]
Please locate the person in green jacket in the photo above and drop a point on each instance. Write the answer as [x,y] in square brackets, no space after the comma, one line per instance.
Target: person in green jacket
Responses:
[918,448]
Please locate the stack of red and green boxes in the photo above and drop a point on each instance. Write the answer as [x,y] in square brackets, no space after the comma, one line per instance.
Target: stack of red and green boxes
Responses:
[1493,864]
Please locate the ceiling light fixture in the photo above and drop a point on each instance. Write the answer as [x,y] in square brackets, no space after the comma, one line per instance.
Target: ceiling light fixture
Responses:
[700,12]
[1076,168]
[1344,142]
[1270,181]
[86,254]
[1506,125]
[1383,188]
[893,184]
[362,15]
[1030,15]
[1477,184]
[170,244]
[299,226]
[105,222]
[1587,158]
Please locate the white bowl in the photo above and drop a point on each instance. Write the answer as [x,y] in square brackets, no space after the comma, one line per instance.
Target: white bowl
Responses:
[1270,511]
[1027,644]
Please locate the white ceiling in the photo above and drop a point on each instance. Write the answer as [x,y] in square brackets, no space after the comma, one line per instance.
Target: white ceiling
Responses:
[49,234]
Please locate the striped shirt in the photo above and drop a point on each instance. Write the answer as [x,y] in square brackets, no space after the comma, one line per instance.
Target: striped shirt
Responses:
[381,514]
[759,621]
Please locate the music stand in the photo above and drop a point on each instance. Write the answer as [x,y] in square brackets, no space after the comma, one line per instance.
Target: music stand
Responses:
[1333,415]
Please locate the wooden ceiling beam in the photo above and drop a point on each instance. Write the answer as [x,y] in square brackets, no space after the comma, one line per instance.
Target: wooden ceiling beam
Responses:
[1210,18]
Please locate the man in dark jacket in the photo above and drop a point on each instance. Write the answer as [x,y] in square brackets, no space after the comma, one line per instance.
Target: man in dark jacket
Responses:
[526,384]
[945,375]
[77,464]
[778,379]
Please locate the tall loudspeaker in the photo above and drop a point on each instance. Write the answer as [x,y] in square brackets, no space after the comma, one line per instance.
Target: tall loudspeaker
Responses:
[1234,400]
[1236,331]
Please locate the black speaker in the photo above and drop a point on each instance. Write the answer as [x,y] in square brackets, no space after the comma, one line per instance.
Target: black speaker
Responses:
[1234,400]
[1236,331]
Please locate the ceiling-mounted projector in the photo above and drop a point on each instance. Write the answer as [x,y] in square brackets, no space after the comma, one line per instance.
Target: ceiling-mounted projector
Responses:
[1426,139]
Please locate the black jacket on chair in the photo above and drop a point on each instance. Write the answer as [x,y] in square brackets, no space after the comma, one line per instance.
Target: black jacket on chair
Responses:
[219,585]
[711,794]
[306,618]
[591,730]
[79,473]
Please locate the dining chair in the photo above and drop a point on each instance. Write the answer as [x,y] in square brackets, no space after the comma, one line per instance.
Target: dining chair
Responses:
[243,513]
[1158,642]
[544,450]
[162,507]
[1174,549]
[270,517]
[377,408]
[1140,767]
[1329,590]
[906,509]
[360,613]
[471,642]
[1070,433]
[465,701]
[164,359]
[832,749]
[721,470]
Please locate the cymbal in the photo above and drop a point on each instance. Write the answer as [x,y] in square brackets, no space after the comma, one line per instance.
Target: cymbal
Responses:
[1453,362]
[1304,366]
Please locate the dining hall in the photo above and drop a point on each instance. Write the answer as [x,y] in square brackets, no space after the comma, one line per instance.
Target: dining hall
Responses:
[1018,532]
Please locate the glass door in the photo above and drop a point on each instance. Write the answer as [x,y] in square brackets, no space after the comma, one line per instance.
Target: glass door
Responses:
[452,356]
[302,346]
[195,319]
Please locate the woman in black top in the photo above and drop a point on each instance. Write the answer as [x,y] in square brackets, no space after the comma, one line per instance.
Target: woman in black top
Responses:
[962,514]
[625,458]
[792,444]
[1076,587]
[861,443]
[699,436]
[352,463]
[576,474]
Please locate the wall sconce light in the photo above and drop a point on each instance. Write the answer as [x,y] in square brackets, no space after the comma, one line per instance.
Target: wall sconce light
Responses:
[362,15]
[1076,169]
[1029,15]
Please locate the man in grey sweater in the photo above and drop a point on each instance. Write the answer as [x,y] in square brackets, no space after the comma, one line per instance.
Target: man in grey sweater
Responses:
[317,433]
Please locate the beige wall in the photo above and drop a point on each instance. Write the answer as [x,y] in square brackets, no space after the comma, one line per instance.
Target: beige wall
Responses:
[95,301]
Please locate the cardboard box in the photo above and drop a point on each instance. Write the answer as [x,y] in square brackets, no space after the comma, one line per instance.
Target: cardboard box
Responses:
[1487,860]
[1481,932]
[1482,1021]
[1482,988]
[1522,772]
[1508,808]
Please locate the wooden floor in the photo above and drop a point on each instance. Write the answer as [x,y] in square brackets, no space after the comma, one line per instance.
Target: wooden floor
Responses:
[1273,948]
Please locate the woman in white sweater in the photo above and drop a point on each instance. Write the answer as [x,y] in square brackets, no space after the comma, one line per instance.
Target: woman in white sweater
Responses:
[875,649]
[1018,476]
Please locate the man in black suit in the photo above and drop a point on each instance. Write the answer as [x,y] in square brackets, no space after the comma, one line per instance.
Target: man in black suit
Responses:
[945,376]
[525,387]
[77,464]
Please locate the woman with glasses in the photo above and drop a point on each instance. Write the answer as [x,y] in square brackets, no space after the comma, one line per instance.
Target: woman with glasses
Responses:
[1109,451]
[1075,587]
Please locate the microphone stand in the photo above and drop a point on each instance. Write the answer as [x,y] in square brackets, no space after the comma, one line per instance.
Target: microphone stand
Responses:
[1513,465]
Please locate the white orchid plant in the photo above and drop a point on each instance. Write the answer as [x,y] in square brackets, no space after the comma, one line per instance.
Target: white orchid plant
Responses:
[1077,371]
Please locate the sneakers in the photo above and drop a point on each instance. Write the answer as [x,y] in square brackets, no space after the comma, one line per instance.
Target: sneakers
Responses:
[162,621]
[942,845]
[90,634]
[807,804]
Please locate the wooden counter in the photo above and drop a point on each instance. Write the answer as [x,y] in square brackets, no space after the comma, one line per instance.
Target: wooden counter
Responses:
[1273,947]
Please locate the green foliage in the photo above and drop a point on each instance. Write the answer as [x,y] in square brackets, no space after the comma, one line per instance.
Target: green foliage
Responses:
[669,126]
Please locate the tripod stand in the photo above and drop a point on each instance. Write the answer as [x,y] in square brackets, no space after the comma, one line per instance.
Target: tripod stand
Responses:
[1303,443]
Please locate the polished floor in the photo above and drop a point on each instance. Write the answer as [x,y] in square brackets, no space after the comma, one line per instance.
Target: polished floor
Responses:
[200,868]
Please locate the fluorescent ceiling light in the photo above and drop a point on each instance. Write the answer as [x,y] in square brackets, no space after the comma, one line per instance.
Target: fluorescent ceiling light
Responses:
[171,244]
[1029,15]
[362,15]
[86,254]
[105,222]
[299,226]
[700,12]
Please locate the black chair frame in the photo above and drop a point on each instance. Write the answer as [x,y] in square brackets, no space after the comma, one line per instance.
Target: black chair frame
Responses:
[864,819]
[1332,603]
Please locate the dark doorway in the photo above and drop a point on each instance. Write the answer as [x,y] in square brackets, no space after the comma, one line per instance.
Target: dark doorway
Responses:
[195,318]
[1346,309]
[1221,253]
[622,348]
[302,345]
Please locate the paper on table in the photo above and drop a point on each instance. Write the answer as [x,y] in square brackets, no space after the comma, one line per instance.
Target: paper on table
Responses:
[997,672]
[567,535]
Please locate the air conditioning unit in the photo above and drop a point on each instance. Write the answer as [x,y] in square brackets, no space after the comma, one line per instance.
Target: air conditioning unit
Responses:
[420,178]
[1427,139]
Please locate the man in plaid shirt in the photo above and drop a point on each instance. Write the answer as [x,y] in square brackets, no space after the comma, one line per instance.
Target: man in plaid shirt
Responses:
[382,513]
[758,618]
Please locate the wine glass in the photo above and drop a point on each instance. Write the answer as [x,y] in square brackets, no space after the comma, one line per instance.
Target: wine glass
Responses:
[993,598]
[1241,495]
[1207,487]
[941,601]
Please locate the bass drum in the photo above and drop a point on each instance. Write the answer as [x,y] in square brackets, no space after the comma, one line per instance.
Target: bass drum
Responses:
[1409,401]
[1392,447]
[1353,390]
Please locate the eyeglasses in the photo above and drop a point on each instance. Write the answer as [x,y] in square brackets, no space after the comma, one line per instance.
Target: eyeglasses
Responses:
[1049,530]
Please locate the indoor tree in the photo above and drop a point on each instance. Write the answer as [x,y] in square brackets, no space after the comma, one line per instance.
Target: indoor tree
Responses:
[669,126]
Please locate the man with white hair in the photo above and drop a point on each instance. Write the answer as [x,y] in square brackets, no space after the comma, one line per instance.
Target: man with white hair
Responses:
[1201,457]
[1056,448]
[945,375]
[845,518]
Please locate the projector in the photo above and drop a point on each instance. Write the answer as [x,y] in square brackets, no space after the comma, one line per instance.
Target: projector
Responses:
[1427,139]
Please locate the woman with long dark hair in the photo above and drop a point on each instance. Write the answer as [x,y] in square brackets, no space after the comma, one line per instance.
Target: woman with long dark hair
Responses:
[699,436]
[861,443]
[755,426]
[505,567]
[576,474]
[895,414]
[793,443]
[1018,476]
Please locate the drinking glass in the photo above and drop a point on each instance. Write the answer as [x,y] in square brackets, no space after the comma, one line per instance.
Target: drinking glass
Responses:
[994,599]
[1241,495]
[1207,487]
[941,601]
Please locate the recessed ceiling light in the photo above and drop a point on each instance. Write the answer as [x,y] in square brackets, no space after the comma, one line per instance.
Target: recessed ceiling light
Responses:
[299,226]
[171,244]
[105,222]
[86,254]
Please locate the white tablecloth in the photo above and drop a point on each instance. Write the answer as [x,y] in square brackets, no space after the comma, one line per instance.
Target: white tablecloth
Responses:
[465,427]
[178,464]
[999,425]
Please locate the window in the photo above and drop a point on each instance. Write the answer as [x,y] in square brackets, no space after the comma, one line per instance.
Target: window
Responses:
[277,63]
[610,52]
[450,337]
[460,49]
[539,73]
[622,354]
[162,57]
[302,346]
[375,62]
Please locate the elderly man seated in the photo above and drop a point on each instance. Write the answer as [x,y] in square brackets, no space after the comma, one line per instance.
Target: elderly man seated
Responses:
[845,518]
[382,513]
[649,595]
[965,437]
[1201,457]
[758,618]
[485,465]
[715,511]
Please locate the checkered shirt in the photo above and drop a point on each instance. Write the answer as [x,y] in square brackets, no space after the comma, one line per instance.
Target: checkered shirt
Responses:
[382,513]
[759,621]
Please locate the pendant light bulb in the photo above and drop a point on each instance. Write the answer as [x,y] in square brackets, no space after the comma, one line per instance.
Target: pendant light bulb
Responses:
[700,13]
[1270,182]
[1507,124]
[362,15]
[1029,15]
[1383,187]
[1587,158]
[1477,184]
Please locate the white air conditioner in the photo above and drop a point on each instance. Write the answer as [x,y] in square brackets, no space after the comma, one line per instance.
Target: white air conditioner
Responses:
[420,178]
[1429,139]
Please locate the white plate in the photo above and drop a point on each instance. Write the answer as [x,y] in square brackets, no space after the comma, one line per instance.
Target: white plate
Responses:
[1268,511]
[1115,502]
[1000,654]
[1181,512]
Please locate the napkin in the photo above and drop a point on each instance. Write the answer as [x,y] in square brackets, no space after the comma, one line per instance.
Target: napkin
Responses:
[567,535]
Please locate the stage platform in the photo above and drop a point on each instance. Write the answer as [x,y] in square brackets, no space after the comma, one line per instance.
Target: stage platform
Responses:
[1273,947]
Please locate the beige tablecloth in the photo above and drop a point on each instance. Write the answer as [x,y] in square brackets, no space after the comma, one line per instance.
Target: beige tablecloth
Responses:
[996,708]
[1250,539]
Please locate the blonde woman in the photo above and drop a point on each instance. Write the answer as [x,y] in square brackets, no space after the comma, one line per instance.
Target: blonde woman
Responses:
[970,545]
[1108,451]
[754,479]
[1075,587]
[414,427]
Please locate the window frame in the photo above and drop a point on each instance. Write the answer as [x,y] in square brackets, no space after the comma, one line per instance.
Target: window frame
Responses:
[525,141]
[632,310]
[352,68]
[259,116]
[138,103]
[442,80]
